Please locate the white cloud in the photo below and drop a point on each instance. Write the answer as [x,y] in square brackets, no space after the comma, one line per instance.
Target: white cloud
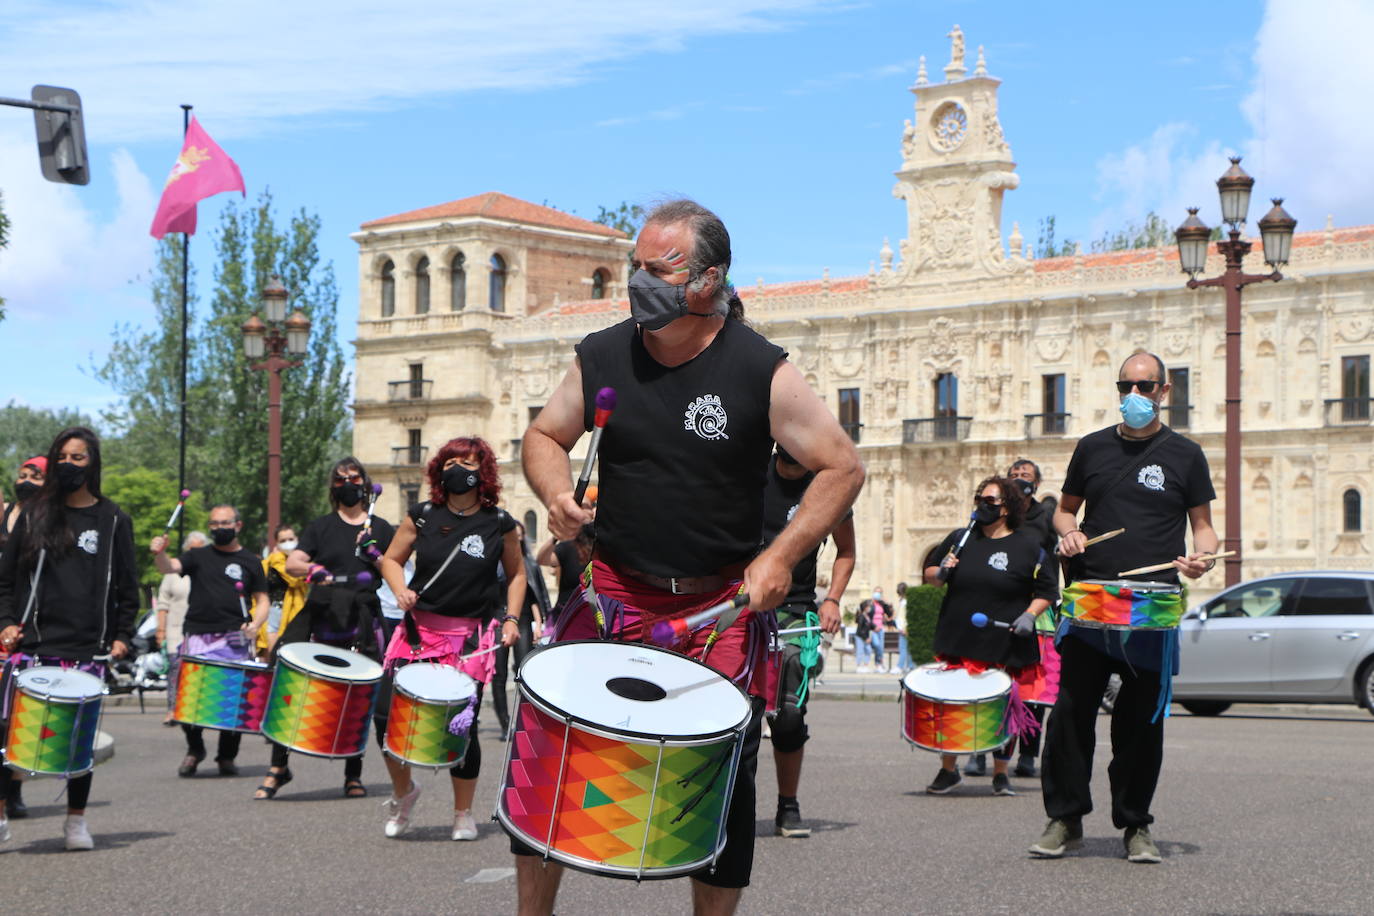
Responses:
[256,61]
[1167,173]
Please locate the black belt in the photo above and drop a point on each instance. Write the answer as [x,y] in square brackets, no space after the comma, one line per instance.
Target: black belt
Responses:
[683,585]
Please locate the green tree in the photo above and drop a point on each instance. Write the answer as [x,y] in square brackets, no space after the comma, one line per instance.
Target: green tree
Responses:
[149,497]
[627,217]
[1047,247]
[4,241]
[1152,233]
[28,431]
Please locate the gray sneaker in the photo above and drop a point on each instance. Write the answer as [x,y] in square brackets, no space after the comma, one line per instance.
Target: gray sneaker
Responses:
[1058,838]
[977,765]
[1139,846]
[944,781]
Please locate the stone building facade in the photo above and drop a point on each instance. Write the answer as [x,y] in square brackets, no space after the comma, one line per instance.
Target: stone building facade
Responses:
[956,354]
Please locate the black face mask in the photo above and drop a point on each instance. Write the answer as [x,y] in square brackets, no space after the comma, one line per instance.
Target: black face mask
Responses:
[459,480]
[70,477]
[986,514]
[26,488]
[223,537]
[1027,486]
[655,302]
[349,494]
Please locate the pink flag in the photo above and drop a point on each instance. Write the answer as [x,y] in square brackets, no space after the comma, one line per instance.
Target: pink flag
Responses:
[202,170]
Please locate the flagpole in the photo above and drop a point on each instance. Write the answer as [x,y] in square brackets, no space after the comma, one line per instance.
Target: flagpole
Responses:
[185,280]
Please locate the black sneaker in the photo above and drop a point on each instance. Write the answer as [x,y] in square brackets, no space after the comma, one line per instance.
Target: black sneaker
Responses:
[944,781]
[14,805]
[977,765]
[1025,766]
[1001,785]
[789,823]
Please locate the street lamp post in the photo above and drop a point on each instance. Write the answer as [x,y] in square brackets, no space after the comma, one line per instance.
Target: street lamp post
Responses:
[274,340]
[1276,230]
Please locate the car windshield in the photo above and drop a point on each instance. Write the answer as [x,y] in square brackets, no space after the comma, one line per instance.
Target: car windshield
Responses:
[1258,599]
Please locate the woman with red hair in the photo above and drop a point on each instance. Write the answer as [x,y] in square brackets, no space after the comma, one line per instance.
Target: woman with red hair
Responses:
[459,538]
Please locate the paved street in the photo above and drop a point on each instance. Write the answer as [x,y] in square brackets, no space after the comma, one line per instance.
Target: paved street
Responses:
[1261,810]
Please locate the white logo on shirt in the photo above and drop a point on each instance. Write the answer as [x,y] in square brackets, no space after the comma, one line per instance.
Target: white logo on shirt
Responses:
[791,512]
[473,546]
[998,560]
[1151,477]
[234,571]
[89,541]
[706,417]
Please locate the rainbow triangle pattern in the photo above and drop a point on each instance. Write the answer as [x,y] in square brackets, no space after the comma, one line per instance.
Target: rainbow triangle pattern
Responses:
[417,732]
[603,820]
[1123,607]
[51,737]
[317,716]
[1039,683]
[224,696]
[954,728]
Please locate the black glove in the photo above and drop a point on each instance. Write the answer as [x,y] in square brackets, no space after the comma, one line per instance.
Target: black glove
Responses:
[1023,625]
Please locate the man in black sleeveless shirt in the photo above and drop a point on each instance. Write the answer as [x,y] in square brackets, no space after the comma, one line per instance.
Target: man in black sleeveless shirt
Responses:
[1142,476]
[683,461]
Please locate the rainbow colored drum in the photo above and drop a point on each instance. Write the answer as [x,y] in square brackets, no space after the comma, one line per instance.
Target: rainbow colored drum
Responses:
[321,700]
[952,711]
[1038,684]
[54,717]
[227,694]
[1121,604]
[424,699]
[623,759]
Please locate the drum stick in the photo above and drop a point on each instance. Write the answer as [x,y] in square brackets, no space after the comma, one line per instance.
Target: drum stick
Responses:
[667,632]
[33,594]
[791,630]
[1099,538]
[372,552]
[944,572]
[605,403]
[176,513]
[463,658]
[318,575]
[1162,566]
[981,620]
[243,602]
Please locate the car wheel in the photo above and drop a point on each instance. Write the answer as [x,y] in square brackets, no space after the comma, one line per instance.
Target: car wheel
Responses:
[1364,686]
[1109,696]
[1205,707]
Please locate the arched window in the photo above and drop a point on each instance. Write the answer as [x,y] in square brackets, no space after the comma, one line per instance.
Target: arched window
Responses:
[1350,503]
[422,286]
[532,526]
[496,287]
[599,278]
[388,289]
[458,272]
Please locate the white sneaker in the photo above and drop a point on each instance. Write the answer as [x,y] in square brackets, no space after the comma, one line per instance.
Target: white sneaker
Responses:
[464,827]
[75,832]
[4,828]
[399,809]
[863,669]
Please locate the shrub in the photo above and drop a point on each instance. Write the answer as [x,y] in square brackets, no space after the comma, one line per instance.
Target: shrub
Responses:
[922,610]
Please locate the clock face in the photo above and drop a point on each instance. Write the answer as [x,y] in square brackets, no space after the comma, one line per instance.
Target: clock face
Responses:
[948,126]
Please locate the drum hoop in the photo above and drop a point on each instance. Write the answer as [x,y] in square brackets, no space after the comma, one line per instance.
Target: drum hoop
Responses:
[610,731]
[967,702]
[247,664]
[628,872]
[1123,627]
[18,685]
[282,660]
[398,687]
[1143,587]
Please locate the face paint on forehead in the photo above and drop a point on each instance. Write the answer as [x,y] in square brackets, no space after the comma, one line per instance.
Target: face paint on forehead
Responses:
[676,260]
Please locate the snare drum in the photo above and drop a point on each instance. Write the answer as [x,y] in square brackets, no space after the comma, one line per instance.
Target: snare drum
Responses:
[222,693]
[424,699]
[623,759]
[1038,684]
[321,700]
[1121,604]
[952,711]
[53,722]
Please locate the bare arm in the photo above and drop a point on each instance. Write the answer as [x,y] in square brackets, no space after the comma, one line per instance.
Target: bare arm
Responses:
[165,564]
[513,562]
[544,454]
[260,609]
[298,563]
[840,572]
[393,562]
[1205,541]
[1071,541]
[546,556]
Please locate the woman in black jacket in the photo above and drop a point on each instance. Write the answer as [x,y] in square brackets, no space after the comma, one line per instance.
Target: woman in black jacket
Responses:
[86,597]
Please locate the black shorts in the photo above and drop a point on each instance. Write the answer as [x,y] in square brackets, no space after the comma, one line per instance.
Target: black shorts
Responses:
[736,861]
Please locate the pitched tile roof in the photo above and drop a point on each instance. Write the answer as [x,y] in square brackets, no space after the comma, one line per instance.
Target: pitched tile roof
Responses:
[498,206]
[1137,255]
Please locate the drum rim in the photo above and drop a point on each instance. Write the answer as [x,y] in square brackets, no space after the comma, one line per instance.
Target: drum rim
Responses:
[294,666]
[962,702]
[610,731]
[647,873]
[1168,588]
[1098,625]
[248,664]
[86,698]
[398,687]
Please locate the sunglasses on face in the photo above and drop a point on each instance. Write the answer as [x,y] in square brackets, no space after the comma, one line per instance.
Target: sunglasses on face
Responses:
[347,478]
[989,500]
[1145,385]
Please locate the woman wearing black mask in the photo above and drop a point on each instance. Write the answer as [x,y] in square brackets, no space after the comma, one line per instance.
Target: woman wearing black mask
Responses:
[1001,572]
[26,486]
[344,614]
[86,596]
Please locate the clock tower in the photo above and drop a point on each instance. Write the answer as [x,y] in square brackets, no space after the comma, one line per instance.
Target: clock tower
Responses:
[955,166]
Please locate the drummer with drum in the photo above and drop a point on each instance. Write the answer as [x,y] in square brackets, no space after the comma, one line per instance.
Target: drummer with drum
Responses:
[1144,477]
[68,596]
[226,581]
[456,612]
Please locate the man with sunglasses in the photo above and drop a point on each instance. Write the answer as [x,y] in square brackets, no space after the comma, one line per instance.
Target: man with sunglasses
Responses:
[1141,476]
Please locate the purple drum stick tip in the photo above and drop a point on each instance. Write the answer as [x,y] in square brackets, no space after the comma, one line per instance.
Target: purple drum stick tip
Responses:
[979,620]
[377,489]
[605,399]
[238,587]
[185,493]
[363,578]
[662,634]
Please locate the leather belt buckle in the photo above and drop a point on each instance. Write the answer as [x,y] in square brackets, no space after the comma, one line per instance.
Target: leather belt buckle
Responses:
[672,586]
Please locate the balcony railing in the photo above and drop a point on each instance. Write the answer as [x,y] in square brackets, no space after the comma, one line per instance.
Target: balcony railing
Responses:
[409,456]
[935,429]
[1349,411]
[415,389]
[1046,424]
[1178,416]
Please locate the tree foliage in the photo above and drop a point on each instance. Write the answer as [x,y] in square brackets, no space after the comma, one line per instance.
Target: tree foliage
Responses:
[28,431]
[4,240]
[226,397]
[149,497]
[1153,232]
[1046,246]
[627,217]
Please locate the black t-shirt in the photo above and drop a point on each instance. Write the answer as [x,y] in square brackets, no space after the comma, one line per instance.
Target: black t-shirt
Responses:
[1151,501]
[999,577]
[685,454]
[570,568]
[468,587]
[214,604]
[332,542]
[781,497]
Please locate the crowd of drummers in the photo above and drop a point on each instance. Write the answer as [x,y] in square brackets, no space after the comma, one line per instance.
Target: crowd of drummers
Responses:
[687,613]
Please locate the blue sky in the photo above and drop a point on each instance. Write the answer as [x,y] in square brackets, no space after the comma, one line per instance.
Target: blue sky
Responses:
[783,115]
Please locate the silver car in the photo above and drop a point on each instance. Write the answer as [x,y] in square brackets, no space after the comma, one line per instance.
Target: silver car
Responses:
[1303,637]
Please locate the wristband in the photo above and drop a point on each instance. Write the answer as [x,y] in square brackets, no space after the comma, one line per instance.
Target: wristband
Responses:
[1071,531]
[828,598]
[510,618]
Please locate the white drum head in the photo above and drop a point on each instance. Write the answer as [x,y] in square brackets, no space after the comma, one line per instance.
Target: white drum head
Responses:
[955,685]
[60,684]
[327,661]
[435,683]
[631,687]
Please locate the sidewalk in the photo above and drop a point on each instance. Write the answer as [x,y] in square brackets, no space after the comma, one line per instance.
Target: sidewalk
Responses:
[850,685]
